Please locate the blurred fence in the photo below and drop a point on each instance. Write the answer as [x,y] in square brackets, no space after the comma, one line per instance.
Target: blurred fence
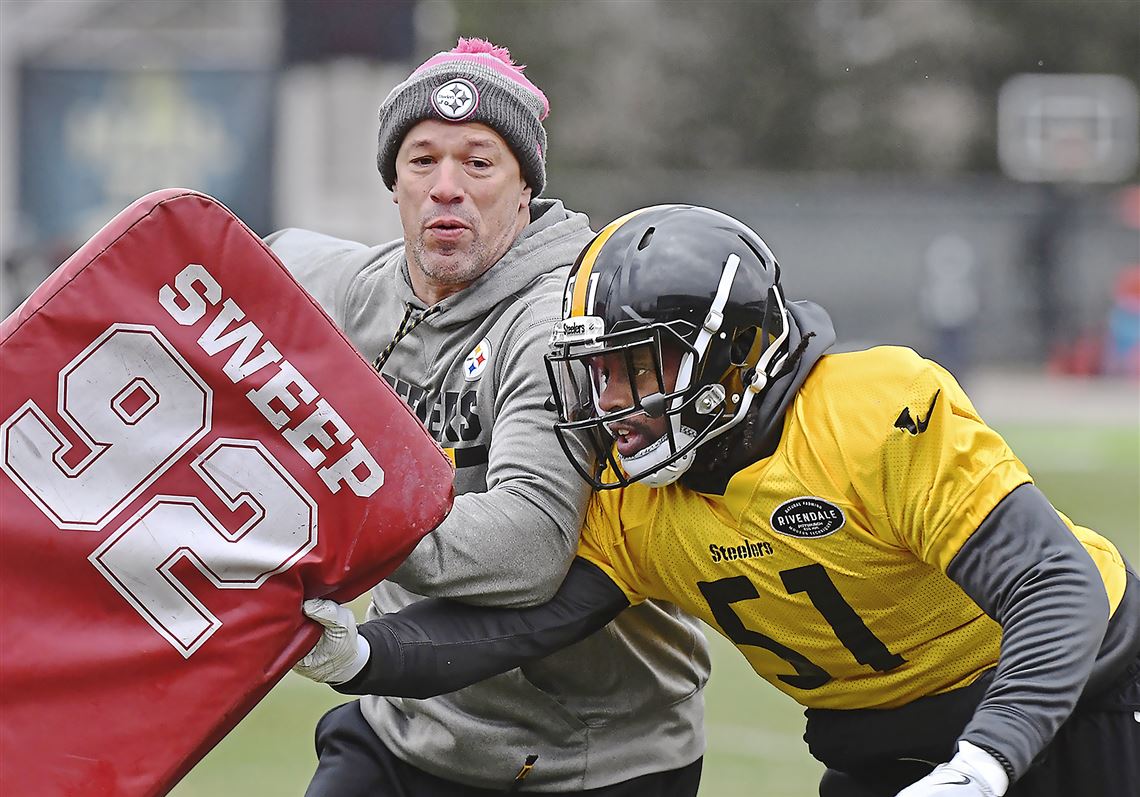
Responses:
[270,106]
[860,245]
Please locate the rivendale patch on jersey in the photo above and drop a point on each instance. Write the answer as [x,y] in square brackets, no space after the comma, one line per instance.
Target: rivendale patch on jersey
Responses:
[807,517]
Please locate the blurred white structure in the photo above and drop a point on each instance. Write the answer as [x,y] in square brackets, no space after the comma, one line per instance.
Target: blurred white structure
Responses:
[325,165]
[1068,128]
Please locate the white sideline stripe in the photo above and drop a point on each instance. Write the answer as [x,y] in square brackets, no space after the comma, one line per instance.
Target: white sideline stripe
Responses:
[1009,396]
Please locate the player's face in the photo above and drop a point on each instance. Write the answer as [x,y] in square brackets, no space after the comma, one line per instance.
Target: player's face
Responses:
[462,201]
[617,376]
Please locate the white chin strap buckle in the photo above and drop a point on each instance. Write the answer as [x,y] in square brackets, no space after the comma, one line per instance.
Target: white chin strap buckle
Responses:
[645,465]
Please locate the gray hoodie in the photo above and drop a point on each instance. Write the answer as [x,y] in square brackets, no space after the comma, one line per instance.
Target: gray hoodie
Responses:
[624,702]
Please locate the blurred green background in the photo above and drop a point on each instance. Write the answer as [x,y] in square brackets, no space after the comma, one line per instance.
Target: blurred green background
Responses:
[1091,473]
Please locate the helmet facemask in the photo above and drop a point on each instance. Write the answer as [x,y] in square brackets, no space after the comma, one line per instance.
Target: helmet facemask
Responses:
[718,371]
[643,361]
[686,299]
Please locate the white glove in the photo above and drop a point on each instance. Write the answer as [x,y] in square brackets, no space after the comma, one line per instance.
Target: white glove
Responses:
[972,772]
[341,653]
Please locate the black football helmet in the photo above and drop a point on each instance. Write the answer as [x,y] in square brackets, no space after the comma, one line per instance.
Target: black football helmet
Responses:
[662,280]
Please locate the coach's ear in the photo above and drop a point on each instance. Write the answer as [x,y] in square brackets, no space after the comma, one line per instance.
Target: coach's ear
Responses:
[341,653]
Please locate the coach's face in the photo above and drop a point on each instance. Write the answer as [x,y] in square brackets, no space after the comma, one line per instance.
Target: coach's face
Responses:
[462,200]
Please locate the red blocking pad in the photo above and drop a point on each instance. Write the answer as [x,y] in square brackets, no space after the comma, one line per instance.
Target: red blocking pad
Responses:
[189,447]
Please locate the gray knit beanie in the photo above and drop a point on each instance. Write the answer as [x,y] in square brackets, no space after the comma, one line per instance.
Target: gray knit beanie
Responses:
[475,82]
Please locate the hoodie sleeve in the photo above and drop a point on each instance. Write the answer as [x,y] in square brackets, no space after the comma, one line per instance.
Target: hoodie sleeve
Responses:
[512,544]
[325,267]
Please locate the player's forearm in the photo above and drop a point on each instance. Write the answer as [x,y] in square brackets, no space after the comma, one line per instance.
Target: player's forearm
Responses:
[437,646]
[1028,572]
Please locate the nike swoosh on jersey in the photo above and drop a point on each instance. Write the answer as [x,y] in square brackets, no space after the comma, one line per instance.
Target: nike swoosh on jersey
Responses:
[919,425]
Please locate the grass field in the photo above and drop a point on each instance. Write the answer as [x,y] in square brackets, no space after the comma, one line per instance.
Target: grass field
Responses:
[1092,473]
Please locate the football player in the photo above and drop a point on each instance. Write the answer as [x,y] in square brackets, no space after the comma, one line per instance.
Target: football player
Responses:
[870,545]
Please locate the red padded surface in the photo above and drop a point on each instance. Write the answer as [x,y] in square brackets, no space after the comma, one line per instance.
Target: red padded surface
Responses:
[117,549]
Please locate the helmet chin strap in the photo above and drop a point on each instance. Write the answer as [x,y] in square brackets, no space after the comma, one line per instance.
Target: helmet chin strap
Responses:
[645,465]
[648,460]
[766,366]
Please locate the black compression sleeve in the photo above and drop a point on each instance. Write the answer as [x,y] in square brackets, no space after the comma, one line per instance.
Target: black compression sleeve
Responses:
[1026,570]
[436,646]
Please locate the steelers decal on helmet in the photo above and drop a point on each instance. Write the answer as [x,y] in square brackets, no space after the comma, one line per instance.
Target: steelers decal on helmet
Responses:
[476,362]
[455,100]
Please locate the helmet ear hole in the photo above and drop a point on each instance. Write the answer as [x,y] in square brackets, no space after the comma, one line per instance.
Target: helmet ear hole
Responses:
[743,342]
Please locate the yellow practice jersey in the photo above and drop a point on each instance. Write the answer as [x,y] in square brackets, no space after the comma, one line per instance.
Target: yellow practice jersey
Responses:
[825,563]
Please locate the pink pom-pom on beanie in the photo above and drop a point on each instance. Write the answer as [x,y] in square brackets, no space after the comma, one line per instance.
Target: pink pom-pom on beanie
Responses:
[476,81]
